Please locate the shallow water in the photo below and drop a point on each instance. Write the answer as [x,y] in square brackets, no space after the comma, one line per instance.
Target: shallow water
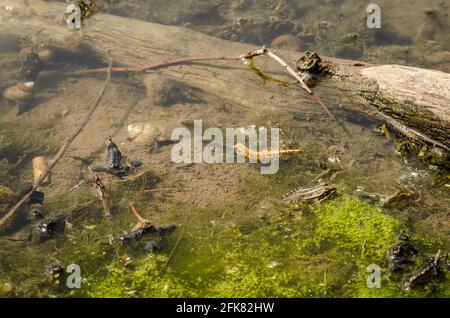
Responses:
[236,237]
[413,33]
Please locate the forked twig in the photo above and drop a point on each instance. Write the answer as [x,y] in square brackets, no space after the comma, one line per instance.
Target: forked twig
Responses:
[250,55]
[265,51]
[289,69]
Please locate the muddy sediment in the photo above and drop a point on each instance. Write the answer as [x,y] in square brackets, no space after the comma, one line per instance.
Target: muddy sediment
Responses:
[229,216]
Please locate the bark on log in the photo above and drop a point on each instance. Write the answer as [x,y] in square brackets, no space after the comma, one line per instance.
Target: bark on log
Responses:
[418,98]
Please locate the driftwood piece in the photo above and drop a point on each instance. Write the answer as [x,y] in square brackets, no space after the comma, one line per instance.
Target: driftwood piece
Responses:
[428,88]
[418,98]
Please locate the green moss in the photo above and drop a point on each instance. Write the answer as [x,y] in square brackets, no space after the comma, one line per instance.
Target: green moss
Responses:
[238,249]
[357,227]
[141,280]
[292,252]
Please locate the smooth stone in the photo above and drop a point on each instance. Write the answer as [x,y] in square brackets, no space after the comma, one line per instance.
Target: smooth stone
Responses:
[288,42]
[20,92]
[143,133]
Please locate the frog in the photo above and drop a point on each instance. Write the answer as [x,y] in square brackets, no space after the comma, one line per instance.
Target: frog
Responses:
[113,157]
[32,66]
[116,163]
[311,63]
[406,146]
[45,228]
[150,238]
[320,193]
[399,200]
[25,215]
[401,253]
[435,156]
[57,273]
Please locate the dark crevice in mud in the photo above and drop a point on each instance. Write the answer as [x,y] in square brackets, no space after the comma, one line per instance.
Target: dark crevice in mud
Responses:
[83,56]
[359,118]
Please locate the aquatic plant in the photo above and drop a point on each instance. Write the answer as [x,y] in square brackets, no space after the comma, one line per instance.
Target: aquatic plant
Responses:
[346,234]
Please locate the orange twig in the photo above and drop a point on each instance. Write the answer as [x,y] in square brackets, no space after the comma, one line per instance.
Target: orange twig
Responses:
[159,65]
[318,100]
[141,223]
[248,56]
[136,214]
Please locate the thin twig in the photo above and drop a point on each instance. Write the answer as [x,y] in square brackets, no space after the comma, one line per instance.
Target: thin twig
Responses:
[136,214]
[236,192]
[437,257]
[289,69]
[99,186]
[155,190]
[248,56]
[62,150]
[18,163]
[79,184]
[159,65]
[174,248]
[321,103]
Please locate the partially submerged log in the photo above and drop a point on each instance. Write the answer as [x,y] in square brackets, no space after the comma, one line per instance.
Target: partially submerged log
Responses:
[427,88]
[417,98]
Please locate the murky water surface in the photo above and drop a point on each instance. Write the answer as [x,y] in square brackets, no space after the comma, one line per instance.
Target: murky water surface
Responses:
[235,235]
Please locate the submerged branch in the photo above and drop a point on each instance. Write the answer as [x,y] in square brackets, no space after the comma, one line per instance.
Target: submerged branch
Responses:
[62,150]
[245,57]
[154,66]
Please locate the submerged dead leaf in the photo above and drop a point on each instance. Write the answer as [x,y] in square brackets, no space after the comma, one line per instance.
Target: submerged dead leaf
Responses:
[384,129]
